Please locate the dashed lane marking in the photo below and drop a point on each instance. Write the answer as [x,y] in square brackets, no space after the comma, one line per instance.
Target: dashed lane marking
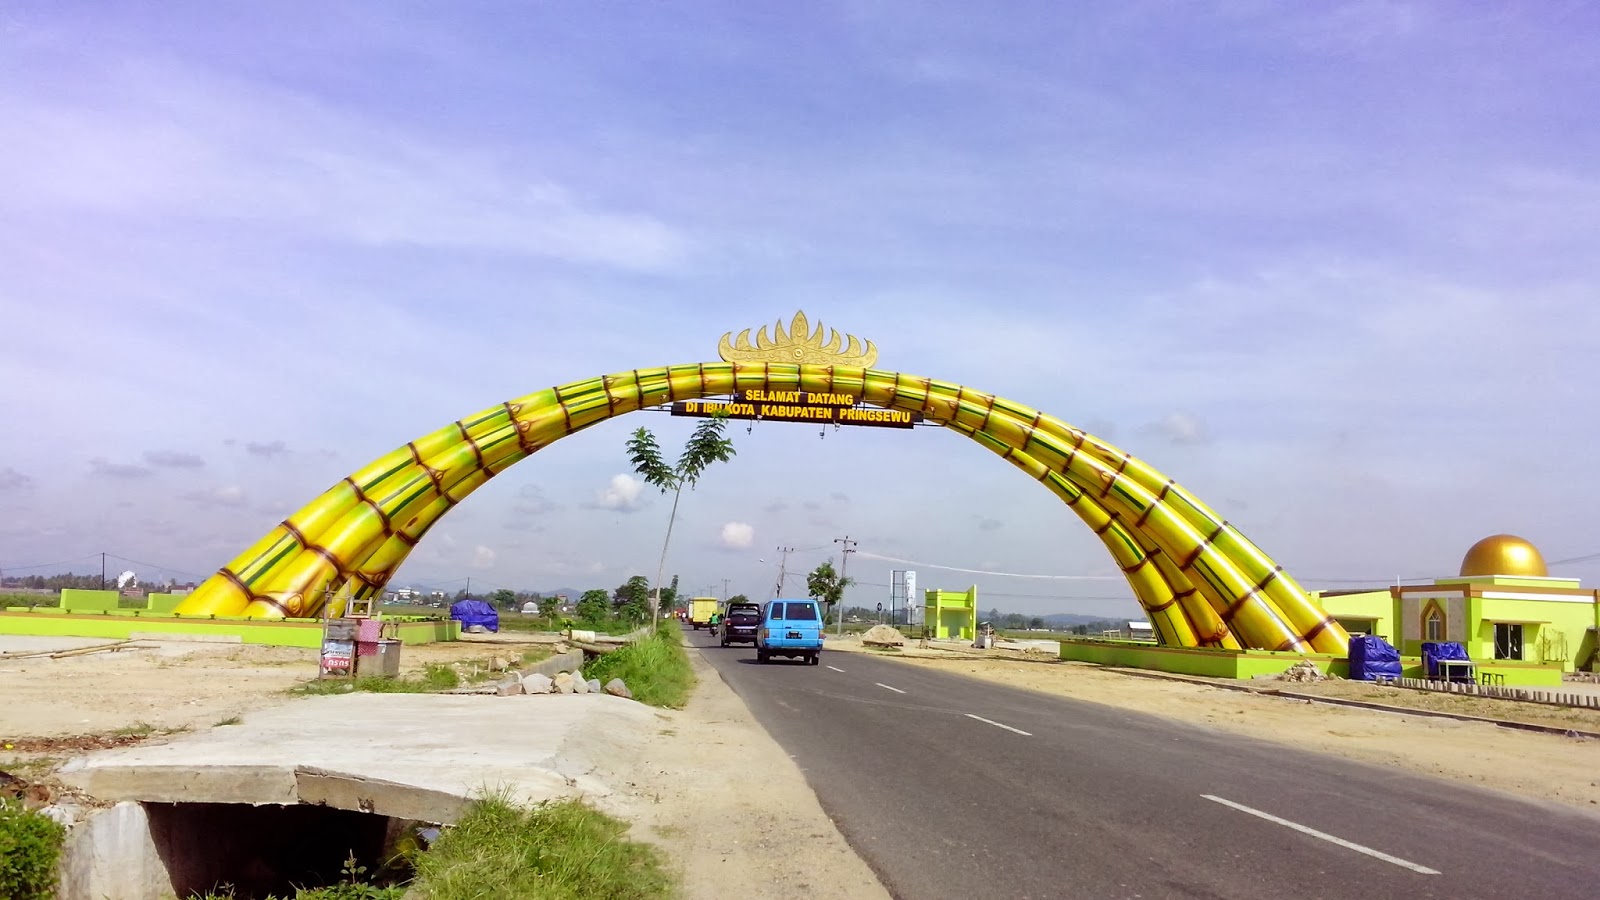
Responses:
[998,725]
[1303,829]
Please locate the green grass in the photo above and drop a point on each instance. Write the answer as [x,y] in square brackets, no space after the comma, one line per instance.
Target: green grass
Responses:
[655,669]
[564,850]
[436,677]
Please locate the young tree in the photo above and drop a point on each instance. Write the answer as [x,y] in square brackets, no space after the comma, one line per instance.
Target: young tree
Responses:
[826,586]
[503,599]
[594,607]
[706,446]
[633,598]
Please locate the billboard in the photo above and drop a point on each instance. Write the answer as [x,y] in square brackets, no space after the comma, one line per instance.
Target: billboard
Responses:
[799,406]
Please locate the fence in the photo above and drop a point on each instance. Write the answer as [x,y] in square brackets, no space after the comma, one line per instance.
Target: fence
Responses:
[1551,698]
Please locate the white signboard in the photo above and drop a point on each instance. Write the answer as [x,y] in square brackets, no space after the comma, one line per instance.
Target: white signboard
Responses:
[913,601]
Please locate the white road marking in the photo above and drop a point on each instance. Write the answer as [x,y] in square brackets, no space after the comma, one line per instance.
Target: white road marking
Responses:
[887,688]
[836,668]
[998,725]
[1375,854]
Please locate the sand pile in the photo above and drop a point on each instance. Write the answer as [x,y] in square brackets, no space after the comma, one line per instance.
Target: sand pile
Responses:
[883,634]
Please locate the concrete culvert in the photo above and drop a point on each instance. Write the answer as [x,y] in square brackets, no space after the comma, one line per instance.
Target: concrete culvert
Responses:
[153,851]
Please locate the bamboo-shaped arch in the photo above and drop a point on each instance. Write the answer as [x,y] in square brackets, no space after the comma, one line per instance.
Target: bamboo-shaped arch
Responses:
[1202,583]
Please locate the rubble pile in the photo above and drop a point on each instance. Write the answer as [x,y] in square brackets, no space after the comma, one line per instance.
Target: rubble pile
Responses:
[1303,672]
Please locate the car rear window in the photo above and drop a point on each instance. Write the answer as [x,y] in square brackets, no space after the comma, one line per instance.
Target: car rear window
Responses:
[743,617]
[802,611]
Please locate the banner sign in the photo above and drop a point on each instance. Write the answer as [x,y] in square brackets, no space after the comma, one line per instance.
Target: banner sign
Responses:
[798,406]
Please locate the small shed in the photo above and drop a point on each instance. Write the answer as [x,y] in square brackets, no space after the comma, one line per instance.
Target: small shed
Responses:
[1141,631]
[530,608]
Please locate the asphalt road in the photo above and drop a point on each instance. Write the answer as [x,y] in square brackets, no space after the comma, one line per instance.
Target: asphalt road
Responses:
[951,787]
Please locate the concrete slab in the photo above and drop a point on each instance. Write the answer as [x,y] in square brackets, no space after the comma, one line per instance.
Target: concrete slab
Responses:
[26,643]
[417,756]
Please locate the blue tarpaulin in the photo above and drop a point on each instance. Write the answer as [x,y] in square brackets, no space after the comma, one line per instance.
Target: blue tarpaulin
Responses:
[1433,651]
[1372,657]
[475,612]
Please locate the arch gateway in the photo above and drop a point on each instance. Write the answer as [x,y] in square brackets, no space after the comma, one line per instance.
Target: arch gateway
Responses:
[1202,582]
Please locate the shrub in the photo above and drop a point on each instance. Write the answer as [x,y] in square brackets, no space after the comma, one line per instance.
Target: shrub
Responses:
[30,846]
[656,670]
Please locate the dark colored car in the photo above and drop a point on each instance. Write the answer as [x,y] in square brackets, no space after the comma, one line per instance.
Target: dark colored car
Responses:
[740,624]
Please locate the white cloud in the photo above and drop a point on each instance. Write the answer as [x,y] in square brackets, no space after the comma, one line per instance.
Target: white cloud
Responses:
[172,459]
[482,558]
[623,494]
[230,495]
[267,449]
[177,143]
[1180,428]
[737,535]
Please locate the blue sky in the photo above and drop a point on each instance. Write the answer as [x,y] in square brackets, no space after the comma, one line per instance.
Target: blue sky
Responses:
[1330,265]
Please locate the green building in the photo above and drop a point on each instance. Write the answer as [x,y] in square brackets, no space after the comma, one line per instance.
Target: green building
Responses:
[1503,606]
[951,615]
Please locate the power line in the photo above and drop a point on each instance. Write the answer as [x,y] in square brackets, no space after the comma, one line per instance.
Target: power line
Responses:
[928,565]
[11,568]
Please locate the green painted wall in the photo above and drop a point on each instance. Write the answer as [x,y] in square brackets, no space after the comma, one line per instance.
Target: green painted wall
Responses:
[951,615]
[73,598]
[164,603]
[1375,605]
[1555,631]
[1188,661]
[121,624]
[1250,663]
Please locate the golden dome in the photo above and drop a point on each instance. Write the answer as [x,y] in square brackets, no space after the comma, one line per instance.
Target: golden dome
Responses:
[1503,554]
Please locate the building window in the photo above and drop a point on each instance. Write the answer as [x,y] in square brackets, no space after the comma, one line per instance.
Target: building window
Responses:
[1433,623]
[1507,641]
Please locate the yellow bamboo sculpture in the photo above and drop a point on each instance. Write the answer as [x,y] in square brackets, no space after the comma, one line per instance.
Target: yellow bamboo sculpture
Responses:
[1202,582]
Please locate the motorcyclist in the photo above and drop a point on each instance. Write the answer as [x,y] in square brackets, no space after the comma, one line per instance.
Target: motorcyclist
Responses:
[716,620]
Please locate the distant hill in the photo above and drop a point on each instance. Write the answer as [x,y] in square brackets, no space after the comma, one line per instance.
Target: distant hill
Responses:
[572,593]
[1067,620]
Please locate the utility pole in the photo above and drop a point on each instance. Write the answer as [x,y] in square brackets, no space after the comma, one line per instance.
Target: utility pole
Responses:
[103,571]
[725,588]
[783,565]
[469,586]
[844,564]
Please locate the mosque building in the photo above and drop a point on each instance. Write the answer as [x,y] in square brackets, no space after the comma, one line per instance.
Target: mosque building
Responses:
[1503,607]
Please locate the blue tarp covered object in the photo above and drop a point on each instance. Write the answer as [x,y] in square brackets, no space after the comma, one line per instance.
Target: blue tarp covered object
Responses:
[1372,657]
[1433,651]
[475,612]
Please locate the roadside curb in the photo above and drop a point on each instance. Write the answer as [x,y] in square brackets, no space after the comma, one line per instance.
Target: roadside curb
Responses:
[1364,704]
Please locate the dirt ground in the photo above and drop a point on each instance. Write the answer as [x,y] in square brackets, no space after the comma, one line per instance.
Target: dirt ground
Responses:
[176,686]
[726,841]
[1541,766]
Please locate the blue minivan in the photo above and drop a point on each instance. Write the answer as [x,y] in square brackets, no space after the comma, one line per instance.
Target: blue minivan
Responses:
[790,628]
